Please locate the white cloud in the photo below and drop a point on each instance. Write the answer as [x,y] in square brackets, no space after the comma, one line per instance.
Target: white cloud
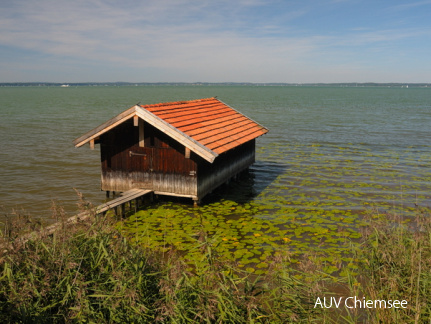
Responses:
[184,40]
[157,33]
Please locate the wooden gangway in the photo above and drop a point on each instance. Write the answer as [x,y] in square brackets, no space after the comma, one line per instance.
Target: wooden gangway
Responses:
[125,197]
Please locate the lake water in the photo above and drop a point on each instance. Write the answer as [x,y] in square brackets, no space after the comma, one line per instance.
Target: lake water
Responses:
[337,149]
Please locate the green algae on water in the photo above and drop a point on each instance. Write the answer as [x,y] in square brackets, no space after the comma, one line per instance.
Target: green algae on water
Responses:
[303,202]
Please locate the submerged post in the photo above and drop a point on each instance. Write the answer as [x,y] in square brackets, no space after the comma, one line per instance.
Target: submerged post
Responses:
[196,203]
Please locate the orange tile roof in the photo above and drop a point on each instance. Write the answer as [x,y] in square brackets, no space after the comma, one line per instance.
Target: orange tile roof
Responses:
[210,122]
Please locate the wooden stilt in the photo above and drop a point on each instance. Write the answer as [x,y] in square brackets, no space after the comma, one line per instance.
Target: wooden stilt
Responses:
[129,197]
[196,203]
[107,194]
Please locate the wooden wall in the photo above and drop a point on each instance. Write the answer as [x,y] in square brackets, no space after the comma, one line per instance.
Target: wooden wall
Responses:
[225,166]
[160,165]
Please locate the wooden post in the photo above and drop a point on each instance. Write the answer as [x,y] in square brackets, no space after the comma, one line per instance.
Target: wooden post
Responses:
[187,153]
[135,121]
[92,144]
[107,194]
[141,133]
[123,210]
[196,203]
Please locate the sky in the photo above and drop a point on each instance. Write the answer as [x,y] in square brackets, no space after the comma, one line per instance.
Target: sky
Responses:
[292,41]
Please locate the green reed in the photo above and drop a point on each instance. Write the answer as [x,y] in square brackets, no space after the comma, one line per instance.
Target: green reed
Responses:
[90,273]
[76,275]
[397,252]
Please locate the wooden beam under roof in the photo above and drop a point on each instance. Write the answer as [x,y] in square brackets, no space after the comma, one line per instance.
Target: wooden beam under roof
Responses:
[141,133]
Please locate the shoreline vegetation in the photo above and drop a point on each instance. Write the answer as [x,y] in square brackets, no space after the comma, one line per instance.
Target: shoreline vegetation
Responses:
[90,272]
[118,84]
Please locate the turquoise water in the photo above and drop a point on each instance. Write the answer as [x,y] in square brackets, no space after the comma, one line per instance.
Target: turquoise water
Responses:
[329,148]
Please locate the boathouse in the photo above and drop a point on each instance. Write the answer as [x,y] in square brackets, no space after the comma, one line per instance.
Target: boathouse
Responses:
[184,149]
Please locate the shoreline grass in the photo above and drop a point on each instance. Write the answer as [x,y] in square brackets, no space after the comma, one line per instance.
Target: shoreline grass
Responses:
[90,273]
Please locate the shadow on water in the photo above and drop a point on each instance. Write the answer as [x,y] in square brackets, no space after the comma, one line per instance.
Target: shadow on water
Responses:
[248,184]
[243,189]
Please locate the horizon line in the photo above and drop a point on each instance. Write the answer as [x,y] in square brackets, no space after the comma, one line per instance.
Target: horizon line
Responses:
[207,83]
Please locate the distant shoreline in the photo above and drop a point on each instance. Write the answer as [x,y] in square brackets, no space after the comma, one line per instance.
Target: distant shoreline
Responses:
[78,84]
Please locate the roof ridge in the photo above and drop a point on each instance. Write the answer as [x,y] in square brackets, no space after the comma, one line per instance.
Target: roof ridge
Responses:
[173,103]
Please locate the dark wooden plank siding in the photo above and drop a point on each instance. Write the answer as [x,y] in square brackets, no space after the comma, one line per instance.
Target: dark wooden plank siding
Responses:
[226,165]
[173,172]
[160,165]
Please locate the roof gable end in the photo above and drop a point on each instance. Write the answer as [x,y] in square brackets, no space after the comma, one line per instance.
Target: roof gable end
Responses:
[155,121]
[176,134]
